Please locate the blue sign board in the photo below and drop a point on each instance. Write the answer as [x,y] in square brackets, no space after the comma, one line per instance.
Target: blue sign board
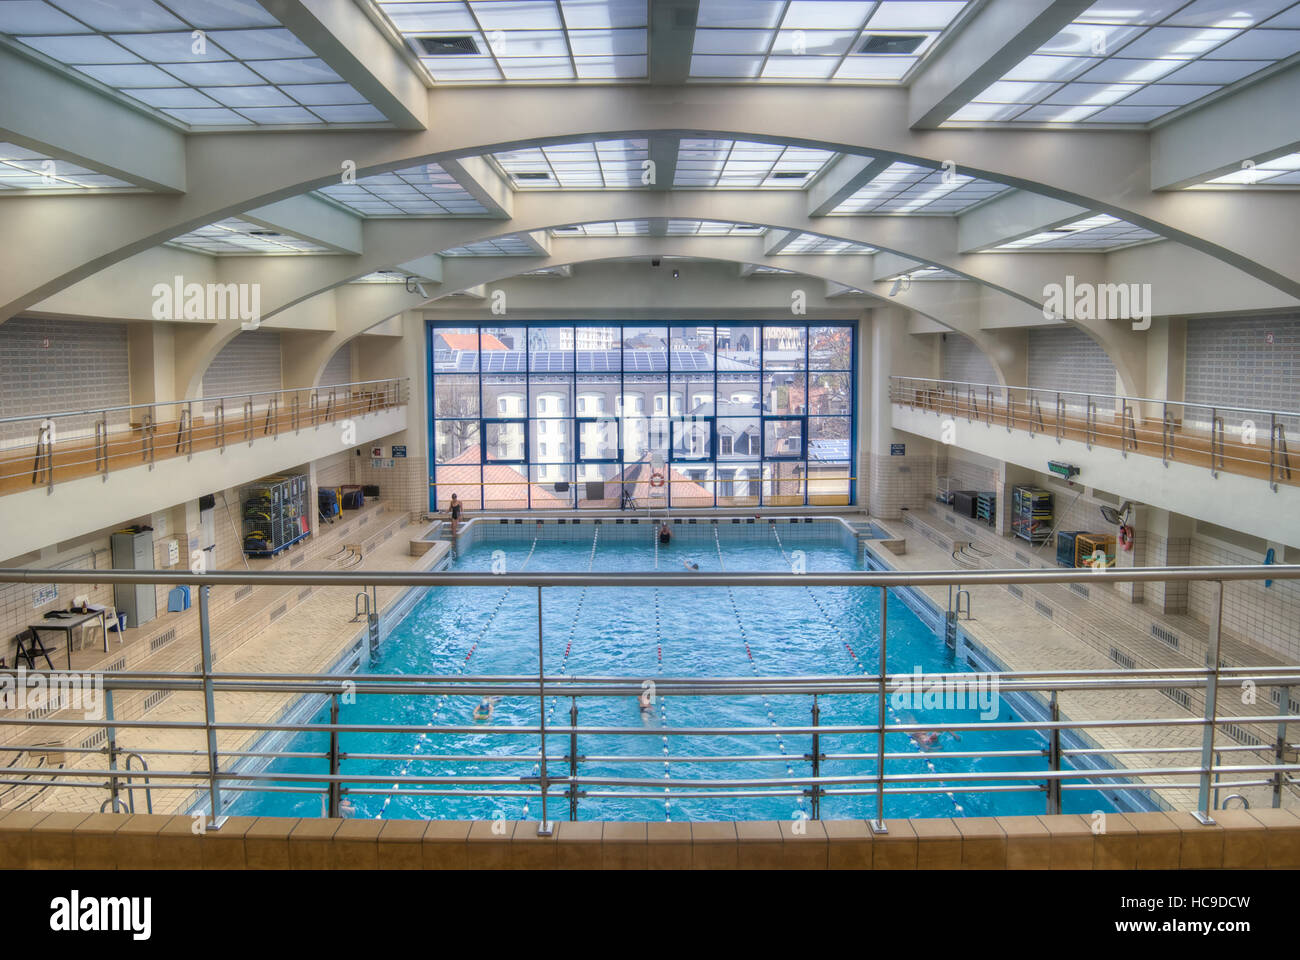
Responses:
[897,449]
[399,450]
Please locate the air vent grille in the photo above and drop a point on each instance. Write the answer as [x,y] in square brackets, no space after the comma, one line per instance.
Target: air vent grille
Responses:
[448,46]
[891,43]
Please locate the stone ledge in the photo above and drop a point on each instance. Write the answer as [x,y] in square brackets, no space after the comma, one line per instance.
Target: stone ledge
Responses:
[1240,839]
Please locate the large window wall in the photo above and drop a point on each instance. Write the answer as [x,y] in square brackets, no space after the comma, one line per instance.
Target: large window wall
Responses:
[564,416]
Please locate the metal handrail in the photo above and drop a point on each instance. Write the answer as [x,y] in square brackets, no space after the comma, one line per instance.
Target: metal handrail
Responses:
[1100,396]
[574,784]
[171,403]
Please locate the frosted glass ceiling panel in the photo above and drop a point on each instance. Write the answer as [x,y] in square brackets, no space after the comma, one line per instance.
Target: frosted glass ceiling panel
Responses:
[1198,47]
[194,45]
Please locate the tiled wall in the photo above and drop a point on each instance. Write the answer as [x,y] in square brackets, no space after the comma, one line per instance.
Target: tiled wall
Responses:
[1063,358]
[55,365]
[250,363]
[1270,616]
[403,486]
[963,360]
[1230,361]
[897,482]
[339,368]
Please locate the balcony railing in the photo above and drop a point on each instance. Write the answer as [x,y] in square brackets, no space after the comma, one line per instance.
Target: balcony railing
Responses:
[558,775]
[1238,440]
[45,449]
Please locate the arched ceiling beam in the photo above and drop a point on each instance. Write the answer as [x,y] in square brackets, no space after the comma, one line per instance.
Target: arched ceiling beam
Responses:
[1108,170]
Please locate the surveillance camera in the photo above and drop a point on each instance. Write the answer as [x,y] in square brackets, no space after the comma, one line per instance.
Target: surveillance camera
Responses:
[676,274]
[900,283]
[415,286]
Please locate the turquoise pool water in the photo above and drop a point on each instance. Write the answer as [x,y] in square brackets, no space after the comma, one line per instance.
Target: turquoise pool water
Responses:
[646,633]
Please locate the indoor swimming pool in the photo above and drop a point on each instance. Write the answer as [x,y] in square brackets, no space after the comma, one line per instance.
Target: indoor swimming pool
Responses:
[646,633]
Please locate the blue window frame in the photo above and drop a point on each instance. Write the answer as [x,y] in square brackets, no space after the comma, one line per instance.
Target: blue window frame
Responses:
[750,413]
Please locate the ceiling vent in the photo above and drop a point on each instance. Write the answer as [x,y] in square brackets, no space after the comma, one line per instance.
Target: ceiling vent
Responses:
[447,46]
[891,43]
[263,233]
[789,175]
[536,175]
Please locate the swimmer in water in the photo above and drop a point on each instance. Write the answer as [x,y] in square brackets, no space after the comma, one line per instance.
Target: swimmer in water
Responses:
[665,535]
[483,712]
[645,702]
[691,565]
[924,740]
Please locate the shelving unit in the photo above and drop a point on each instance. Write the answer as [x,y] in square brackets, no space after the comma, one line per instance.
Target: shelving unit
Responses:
[275,514]
[986,508]
[1031,514]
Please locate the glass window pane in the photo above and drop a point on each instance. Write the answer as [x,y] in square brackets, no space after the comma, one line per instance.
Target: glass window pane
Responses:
[829,438]
[550,396]
[738,484]
[830,348]
[552,486]
[455,350]
[692,348]
[783,393]
[503,350]
[597,396]
[456,441]
[552,441]
[692,438]
[739,438]
[644,439]
[463,480]
[738,347]
[738,394]
[598,439]
[598,349]
[505,487]
[550,349]
[783,438]
[783,348]
[692,393]
[830,394]
[455,396]
[645,349]
[783,484]
[829,484]
[599,486]
[504,442]
[504,396]
[691,485]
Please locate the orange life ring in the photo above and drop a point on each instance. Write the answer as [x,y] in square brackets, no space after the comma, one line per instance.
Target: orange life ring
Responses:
[1126,536]
[656,479]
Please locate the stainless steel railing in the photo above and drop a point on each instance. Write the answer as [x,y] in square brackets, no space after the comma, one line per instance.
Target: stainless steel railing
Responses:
[562,777]
[73,444]
[1217,436]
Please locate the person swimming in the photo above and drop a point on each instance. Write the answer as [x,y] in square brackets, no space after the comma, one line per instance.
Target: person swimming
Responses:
[665,535]
[645,702]
[924,739]
[486,706]
[691,565]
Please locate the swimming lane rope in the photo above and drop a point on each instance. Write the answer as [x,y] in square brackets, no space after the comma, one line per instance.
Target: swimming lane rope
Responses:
[460,669]
[744,638]
[858,663]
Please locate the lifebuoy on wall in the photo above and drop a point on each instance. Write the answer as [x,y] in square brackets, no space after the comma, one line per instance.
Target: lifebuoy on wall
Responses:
[1126,536]
[656,479]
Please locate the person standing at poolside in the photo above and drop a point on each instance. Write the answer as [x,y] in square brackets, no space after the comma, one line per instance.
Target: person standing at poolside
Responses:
[454,508]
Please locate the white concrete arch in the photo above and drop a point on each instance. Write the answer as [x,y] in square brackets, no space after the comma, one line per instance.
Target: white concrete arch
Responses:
[230,173]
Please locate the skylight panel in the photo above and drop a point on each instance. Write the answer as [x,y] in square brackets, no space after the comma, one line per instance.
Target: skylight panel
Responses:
[120,14]
[425,190]
[1170,56]
[150,45]
[24,169]
[240,237]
